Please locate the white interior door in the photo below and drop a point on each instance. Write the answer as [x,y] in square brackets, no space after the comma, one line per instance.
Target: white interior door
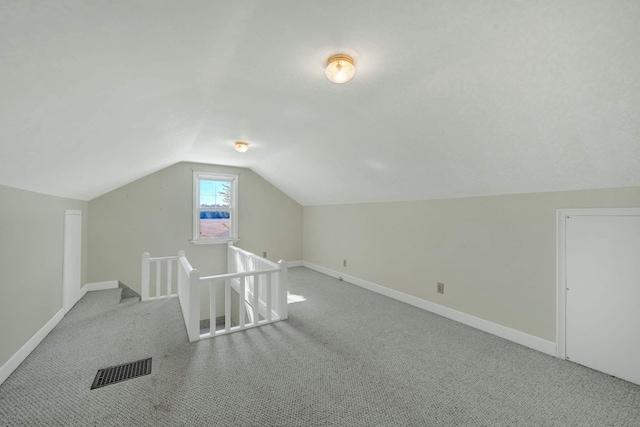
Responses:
[603,293]
[71,268]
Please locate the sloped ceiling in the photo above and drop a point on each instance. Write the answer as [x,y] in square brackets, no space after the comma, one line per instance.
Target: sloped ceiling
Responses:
[450,98]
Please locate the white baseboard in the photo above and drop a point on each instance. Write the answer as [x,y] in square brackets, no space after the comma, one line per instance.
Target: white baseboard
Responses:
[83,291]
[15,360]
[510,334]
[291,264]
[100,286]
[97,286]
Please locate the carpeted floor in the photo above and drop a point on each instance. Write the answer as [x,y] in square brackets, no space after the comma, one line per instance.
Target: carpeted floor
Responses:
[346,357]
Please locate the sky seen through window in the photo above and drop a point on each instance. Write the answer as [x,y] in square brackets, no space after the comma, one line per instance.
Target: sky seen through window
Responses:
[212,193]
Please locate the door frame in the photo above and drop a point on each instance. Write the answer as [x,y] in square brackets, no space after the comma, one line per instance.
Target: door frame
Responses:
[561,256]
[70,296]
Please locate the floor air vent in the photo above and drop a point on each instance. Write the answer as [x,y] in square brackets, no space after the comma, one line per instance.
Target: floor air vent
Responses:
[116,374]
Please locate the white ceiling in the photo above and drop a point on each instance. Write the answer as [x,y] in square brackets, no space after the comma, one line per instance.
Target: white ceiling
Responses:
[450,98]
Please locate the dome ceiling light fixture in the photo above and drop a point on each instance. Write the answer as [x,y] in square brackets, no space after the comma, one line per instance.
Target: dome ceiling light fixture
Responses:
[241,146]
[340,68]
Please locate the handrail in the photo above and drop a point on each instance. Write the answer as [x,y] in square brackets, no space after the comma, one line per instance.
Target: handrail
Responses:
[162,258]
[252,255]
[235,275]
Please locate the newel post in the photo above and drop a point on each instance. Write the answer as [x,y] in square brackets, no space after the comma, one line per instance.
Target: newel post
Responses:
[181,274]
[230,258]
[193,328]
[144,283]
[283,286]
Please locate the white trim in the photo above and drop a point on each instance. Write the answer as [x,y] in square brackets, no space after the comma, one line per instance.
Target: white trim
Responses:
[101,286]
[561,302]
[98,286]
[291,264]
[83,292]
[232,329]
[233,181]
[514,335]
[213,241]
[162,297]
[561,278]
[15,360]
[601,212]
[70,293]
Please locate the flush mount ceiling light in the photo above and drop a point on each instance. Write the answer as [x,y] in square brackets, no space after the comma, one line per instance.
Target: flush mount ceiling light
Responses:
[241,146]
[340,68]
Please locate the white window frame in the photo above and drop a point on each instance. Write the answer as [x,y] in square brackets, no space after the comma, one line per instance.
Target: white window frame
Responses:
[233,209]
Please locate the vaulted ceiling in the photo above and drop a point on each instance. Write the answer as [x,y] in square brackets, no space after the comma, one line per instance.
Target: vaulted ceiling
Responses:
[450,98]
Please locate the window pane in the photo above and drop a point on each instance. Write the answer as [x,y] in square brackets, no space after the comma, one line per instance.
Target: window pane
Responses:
[215,194]
[215,224]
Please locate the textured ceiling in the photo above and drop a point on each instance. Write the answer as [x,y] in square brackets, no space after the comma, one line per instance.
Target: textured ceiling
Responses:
[450,98]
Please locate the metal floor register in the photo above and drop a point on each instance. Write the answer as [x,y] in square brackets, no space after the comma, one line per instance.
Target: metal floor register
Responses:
[116,374]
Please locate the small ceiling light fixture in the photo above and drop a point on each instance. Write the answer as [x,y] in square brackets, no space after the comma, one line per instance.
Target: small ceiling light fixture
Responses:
[241,146]
[340,68]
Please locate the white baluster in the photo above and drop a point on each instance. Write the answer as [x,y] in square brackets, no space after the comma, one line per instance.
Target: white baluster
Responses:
[158,276]
[144,285]
[227,306]
[282,290]
[268,298]
[256,315]
[169,275]
[212,307]
[242,301]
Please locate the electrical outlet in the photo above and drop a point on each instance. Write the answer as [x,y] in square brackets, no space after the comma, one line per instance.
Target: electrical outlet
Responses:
[344,262]
[440,288]
[264,254]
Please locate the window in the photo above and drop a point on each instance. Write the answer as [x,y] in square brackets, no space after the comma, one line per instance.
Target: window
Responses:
[215,216]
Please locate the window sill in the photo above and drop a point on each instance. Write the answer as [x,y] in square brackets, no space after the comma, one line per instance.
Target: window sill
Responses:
[213,242]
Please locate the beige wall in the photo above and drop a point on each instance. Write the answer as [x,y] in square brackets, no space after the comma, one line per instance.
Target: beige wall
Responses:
[155,214]
[495,255]
[31,244]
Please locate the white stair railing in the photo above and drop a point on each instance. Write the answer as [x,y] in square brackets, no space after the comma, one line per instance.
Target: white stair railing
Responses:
[259,283]
[241,261]
[163,288]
